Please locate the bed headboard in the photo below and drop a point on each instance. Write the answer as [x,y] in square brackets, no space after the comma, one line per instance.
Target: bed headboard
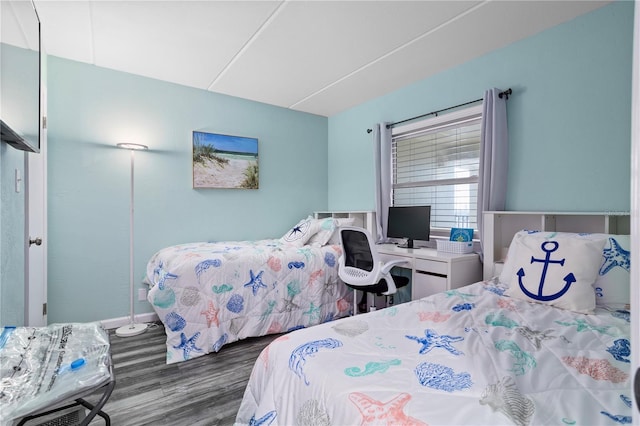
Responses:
[499,227]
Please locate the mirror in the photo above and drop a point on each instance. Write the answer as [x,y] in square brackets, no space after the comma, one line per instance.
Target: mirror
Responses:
[20,76]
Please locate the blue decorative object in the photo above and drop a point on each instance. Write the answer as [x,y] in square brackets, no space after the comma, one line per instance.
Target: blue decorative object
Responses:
[220,342]
[162,275]
[330,259]
[615,256]
[437,376]
[255,282]
[299,355]
[620,349]
[618,418]
[548,247]
[296,264]
[174,321]
[625,315]
[235,303]
[434,340]
[267,419]
[463,307]
[206,264]
[495,289]
[188,345]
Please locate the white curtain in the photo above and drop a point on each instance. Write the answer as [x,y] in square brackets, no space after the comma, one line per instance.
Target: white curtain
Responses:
[382,143]
[494,156]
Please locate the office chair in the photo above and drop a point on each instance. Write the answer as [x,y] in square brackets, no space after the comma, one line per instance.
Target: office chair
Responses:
[361,268]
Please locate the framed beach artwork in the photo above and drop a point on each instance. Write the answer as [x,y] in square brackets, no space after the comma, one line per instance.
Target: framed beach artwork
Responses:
[223,161]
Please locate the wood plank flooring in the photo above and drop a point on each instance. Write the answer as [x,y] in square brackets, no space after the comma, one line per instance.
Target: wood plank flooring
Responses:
[202,391]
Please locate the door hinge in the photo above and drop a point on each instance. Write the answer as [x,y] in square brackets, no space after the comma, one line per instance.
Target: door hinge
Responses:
[44,308]
[44,122]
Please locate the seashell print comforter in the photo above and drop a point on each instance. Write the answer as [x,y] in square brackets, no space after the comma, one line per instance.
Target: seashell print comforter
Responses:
[211,294]
[467,356]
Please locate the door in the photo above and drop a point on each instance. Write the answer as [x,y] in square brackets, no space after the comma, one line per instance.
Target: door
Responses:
[36,228]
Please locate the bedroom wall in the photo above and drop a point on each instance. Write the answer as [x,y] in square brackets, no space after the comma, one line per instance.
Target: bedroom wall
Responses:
[569,117]
[12,222]
[90,110]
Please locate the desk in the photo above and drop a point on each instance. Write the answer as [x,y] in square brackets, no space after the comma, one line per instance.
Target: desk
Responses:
[433,271]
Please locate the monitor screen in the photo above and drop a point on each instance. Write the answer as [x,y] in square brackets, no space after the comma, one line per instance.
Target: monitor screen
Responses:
[410,222]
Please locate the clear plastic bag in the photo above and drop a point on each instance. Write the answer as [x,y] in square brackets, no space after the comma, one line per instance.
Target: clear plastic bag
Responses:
[41,366]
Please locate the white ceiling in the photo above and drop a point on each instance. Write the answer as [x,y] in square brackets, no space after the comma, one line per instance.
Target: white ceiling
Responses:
[320,57]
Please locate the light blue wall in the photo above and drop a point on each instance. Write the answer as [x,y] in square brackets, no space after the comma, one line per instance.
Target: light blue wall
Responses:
[12,222]
[569,117]
[90,110]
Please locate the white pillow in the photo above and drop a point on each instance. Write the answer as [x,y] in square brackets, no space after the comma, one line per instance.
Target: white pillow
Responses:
[345,221]
[326,228]
[300,233]
[613,286]
[555,268]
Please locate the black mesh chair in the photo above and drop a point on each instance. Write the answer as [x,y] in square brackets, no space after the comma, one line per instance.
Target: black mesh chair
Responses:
[361,268]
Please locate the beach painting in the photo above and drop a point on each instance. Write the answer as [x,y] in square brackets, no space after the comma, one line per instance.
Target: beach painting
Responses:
[223,161]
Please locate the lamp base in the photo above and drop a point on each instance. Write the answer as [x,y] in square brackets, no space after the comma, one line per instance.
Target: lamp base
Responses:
[131,330]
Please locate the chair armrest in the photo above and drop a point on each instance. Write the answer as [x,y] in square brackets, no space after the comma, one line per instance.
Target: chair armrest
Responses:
[386,266]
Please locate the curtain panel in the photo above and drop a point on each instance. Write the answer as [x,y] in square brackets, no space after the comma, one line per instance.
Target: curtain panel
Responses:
[494,157]
[382,143]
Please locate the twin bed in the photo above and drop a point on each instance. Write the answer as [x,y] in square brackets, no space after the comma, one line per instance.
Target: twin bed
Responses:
[484,354]
[211,294]
[546,342]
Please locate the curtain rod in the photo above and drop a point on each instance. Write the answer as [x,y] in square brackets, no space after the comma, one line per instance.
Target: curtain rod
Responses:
[505,93]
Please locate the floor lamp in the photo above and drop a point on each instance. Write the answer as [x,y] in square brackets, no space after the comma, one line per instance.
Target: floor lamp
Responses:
[132,329]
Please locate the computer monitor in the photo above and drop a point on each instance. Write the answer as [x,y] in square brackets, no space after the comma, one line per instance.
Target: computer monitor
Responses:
[410,222]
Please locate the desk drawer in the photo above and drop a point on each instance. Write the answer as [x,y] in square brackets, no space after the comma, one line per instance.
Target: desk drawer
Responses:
[431,266]
[424,285]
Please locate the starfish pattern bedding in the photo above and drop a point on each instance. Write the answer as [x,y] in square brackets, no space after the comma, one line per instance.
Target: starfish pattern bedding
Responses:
[466,356]
[211,294]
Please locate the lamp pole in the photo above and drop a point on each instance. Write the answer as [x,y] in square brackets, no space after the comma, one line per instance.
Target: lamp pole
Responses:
[132,329]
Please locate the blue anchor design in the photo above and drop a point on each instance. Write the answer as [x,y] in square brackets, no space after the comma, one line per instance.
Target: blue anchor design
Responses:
[548,247]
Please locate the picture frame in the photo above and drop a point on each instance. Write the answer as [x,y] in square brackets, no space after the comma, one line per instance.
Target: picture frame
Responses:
[224,161]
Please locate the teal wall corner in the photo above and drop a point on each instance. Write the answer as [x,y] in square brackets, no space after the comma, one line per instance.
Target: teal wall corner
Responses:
[569,117]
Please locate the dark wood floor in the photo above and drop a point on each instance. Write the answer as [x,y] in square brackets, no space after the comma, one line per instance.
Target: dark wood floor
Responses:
[201,391]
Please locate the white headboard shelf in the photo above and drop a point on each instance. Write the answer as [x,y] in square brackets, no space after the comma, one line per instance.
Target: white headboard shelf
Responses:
[363,219]
[500,227]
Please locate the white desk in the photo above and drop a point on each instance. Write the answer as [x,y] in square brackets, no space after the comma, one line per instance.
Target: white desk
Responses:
[434,271]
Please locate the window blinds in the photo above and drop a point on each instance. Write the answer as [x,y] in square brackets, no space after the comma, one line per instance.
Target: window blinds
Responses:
[438,166]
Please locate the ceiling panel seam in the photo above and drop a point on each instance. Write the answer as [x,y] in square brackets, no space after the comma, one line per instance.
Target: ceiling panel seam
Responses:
[391,52]
[248,43]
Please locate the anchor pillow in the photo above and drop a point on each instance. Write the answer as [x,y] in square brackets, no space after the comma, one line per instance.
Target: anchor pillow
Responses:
[301,232]
[613,286]
[554,269]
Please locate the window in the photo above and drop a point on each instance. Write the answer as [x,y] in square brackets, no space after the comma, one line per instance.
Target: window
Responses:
[435,162]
